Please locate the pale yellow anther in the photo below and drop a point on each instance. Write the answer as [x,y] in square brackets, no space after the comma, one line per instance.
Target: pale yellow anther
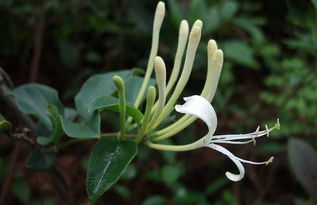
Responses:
[257,131]
[267,131]
[256,134]
[269,161]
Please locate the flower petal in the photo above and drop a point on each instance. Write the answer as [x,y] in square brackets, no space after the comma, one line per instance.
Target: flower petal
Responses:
[201,108]
[229,175]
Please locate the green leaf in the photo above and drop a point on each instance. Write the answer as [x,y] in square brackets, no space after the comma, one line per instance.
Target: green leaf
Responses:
[1,117]
[212,20]
[132,87]
[34,98]
[96,86]
[240,52]
[69,52]
[21,190]
[122,191]
[87,129]
[314,2]
[154,200]
[70,113]
[57,132]
[40,161]
[170,173]
[228,9]
[197,9]
[303,161]
[216,185]
[108,159]
[112,103]
[176,12]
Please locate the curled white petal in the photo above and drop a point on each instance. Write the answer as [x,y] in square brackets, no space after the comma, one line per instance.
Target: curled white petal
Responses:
[229,175]
[201,108]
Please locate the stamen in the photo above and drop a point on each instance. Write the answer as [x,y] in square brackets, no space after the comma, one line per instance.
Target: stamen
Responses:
[228,141]
[267,131]
[256,135]
[270,160]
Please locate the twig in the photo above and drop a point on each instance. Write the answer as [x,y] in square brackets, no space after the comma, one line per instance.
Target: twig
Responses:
[6,78]
[11,112]
[38,41]
[7,179]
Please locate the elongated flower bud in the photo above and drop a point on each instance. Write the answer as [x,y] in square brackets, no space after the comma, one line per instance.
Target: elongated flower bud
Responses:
[182,40]
[158,19]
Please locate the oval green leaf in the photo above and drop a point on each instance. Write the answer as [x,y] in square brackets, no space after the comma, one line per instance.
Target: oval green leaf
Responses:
[40,161]
[96,86]
[108,159]
[87,129]
[112,104]
[34,98]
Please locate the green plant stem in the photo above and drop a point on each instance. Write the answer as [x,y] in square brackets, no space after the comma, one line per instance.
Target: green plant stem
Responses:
[151,94]
[122,104]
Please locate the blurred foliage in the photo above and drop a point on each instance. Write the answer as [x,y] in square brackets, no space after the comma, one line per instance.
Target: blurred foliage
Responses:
[270,70]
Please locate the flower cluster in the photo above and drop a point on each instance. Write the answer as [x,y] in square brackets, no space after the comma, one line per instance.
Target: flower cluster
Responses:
[196,106]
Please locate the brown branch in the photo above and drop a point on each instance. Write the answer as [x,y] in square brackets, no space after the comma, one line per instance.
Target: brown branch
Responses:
[10,111]
[38,41]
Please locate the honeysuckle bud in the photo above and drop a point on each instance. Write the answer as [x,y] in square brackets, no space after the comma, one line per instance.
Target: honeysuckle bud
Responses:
[182,40]
[160,73]
[158,19]
[119,83]
[215,62]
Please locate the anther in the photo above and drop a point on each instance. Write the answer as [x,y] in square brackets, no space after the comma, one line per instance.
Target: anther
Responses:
[269,161]
[267,131]
[256,134]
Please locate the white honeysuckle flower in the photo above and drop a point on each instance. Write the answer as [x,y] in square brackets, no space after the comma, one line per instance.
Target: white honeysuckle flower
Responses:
[201,108]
